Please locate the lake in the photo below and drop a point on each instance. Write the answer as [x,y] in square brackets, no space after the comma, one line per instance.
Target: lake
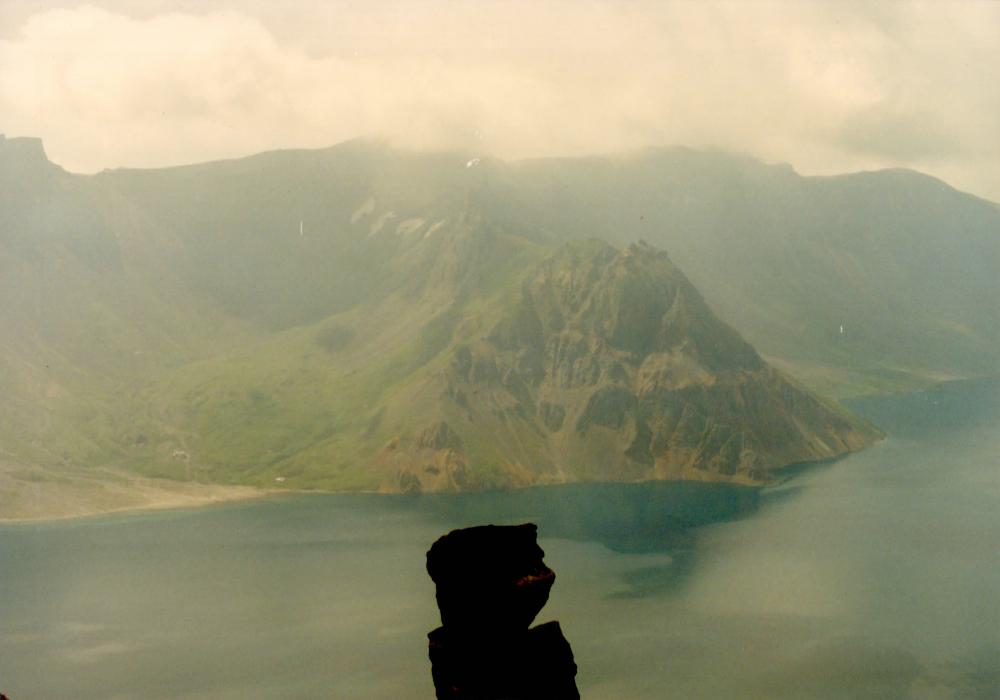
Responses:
[877,576]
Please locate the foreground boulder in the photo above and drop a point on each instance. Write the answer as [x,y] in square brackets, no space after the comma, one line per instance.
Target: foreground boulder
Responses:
[491,583]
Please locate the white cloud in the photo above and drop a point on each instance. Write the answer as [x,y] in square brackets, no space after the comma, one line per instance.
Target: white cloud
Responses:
[826,86]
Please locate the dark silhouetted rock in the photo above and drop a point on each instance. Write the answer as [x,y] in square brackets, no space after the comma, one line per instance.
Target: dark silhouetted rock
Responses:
[491,583]
[489,578]
[537,664]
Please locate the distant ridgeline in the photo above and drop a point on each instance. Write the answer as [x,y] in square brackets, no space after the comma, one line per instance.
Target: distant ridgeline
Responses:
[365,318]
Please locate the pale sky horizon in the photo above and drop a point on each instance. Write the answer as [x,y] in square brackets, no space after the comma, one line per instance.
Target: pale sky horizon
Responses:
[826,87]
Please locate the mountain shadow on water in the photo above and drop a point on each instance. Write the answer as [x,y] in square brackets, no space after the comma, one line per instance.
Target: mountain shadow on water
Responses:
[639,518]
[629,518]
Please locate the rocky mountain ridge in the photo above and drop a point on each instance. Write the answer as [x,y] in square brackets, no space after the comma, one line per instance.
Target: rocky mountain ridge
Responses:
[610,366]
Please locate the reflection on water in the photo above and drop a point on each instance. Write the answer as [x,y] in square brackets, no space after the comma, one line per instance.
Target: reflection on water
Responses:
[623,517]
[875,577]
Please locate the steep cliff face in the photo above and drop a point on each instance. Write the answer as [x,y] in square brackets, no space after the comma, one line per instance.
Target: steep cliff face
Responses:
[610,366]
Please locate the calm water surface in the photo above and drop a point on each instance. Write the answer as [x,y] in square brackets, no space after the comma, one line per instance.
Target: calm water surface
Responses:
[874,577]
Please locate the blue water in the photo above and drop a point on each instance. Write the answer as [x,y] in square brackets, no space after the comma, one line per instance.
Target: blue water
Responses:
[877,576]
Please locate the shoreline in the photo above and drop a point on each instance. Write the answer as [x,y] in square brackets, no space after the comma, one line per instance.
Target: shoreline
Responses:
[192,495]
[152,507]
[57,498]
[134,494]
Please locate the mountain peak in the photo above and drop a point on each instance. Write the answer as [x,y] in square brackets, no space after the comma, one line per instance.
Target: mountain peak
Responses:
[635,300]
[22,146]
[23,156]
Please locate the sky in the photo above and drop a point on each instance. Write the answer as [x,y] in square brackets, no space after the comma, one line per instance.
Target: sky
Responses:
[826,86]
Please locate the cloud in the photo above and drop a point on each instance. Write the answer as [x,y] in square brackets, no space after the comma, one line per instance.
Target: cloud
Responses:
[894,135]
[826,86]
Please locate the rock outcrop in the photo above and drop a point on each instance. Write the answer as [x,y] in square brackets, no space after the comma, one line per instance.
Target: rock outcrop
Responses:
[491,583]
[609,366]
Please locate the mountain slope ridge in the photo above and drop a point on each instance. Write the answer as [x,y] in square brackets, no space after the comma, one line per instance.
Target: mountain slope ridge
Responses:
[611,367]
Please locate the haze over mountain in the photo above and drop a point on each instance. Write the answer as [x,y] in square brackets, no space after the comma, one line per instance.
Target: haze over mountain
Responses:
[865,281]
[831,87]
[362,317]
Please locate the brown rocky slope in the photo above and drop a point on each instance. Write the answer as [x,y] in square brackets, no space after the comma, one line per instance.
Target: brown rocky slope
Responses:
[609,365]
